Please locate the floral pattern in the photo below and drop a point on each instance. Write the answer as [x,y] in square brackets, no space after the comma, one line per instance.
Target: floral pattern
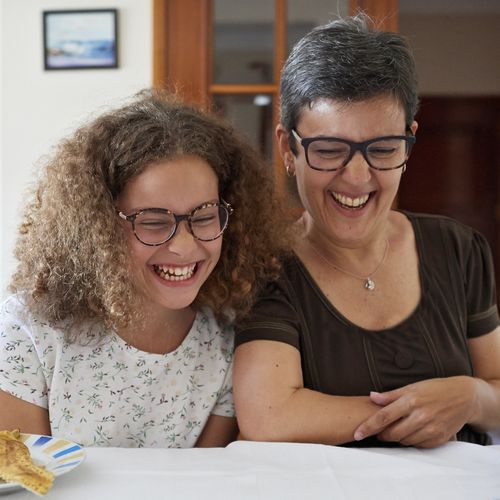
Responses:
[108,393]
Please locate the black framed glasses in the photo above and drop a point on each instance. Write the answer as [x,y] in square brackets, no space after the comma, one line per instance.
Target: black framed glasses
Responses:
[155,226]
[331,153]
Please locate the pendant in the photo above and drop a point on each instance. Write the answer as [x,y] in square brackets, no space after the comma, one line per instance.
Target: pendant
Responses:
[369,284]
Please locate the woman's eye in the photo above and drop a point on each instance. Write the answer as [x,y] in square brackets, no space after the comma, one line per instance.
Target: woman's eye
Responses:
[329,152]
[328,149]
[381,151]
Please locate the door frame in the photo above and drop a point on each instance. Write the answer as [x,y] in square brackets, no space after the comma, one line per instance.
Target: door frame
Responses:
[182,55]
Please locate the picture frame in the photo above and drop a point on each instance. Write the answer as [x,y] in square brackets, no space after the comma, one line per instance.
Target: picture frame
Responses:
[80,39]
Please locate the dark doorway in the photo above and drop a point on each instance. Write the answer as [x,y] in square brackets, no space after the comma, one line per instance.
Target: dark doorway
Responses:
[454,168]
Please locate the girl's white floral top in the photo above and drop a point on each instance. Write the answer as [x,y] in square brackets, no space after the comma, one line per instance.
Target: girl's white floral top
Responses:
[109,393]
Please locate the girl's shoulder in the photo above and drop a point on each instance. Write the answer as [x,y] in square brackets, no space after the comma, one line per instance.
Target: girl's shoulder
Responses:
[17,316]
[209,330]
[14,306]
[17,320]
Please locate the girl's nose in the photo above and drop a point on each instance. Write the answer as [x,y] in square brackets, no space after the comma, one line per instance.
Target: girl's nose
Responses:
[183,240]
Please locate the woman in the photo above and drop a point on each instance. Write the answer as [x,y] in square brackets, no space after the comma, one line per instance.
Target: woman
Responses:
[383,327]
[140,246]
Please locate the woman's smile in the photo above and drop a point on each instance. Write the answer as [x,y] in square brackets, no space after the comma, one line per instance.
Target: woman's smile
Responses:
[350,202]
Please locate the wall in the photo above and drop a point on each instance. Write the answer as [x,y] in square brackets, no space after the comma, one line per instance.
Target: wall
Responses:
[2,223]
[456,53]
[38,107]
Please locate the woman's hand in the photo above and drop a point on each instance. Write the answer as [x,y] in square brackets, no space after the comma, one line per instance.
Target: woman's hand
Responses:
[424,414]
[431,412]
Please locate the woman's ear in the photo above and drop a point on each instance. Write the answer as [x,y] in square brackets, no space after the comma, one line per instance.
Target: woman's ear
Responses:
[414,127]
[286,153]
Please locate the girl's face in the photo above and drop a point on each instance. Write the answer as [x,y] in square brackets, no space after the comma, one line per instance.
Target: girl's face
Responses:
[170,275]
[351,205]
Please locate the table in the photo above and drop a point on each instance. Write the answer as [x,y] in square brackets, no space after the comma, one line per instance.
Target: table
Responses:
[247,470]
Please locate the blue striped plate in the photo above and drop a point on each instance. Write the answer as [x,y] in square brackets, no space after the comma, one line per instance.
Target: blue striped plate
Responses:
[55,454]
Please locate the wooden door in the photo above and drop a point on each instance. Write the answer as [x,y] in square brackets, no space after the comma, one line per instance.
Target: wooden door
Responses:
[183,58]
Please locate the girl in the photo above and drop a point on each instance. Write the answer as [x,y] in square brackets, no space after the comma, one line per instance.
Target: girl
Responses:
[142,242]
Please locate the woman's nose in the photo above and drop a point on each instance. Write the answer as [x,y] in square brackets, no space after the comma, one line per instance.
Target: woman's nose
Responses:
[357,169]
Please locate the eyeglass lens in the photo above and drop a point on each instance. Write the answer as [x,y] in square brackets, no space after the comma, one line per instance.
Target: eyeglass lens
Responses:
[205,223]
[384,154]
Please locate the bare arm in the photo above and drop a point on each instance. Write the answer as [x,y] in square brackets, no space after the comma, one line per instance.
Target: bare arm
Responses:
[485,356]
[219,431]
[429,413]
[273,405]
[19,414]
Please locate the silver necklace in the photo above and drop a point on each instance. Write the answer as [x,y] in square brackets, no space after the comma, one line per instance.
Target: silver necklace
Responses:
[369,284]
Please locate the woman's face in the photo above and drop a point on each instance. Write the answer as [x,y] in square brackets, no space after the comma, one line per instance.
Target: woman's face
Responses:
[171,275]
[328,197]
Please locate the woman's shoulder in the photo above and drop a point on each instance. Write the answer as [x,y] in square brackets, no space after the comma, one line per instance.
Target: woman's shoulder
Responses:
[444,239]
[433,220]
[434,227]
[285,293]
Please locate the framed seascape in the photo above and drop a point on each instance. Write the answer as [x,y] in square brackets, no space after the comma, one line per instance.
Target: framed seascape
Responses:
[80,39]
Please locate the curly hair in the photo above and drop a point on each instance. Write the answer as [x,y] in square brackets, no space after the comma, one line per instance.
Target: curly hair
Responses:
[73,261]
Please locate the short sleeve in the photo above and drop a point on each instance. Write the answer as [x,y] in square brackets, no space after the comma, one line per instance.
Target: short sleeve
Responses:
[225,405]
[482,311]
[21,373]
[273,317]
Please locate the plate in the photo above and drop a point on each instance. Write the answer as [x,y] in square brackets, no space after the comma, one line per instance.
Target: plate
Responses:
[55,454]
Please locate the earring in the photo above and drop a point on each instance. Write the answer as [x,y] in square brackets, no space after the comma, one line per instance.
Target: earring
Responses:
[290,171]
[403,169]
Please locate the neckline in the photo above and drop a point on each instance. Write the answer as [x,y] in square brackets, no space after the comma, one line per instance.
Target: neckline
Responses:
[126,347]
[422,275]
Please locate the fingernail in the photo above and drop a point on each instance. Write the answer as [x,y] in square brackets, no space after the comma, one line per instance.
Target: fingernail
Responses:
[374,392]
[358,436]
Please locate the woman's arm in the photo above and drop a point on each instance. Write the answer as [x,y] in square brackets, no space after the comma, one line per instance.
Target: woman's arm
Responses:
[485,356]
[27,417]
[273,405]
[219,431]
[430,412]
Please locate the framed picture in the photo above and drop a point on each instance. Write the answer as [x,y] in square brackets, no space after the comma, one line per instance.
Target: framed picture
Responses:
[80,39]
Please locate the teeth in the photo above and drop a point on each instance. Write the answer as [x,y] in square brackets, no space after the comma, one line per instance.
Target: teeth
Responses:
[351,202]
[175,273]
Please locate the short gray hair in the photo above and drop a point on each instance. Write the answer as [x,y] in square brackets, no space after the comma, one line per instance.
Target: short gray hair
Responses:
[348,60]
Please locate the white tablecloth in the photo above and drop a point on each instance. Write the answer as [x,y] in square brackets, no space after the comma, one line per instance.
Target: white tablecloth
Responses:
[274,471]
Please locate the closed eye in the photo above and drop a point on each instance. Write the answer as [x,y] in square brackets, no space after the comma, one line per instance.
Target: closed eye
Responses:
[204,220]
[154,224]
[330,152]
[382,151]
[327,149]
